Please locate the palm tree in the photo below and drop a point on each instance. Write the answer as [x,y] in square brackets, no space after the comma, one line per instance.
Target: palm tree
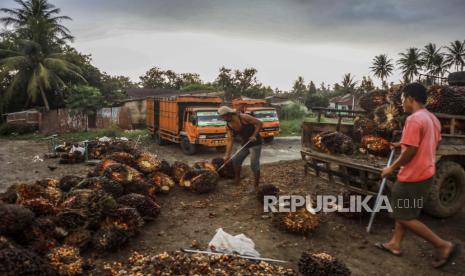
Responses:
[455,55]
[37,20]
[439,66]
[39,71]
[429,55]
[410,63]
[348,85]
[382,67]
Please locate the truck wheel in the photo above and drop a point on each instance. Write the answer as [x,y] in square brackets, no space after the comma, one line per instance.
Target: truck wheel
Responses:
[158,140]
[187,147]
[268,139]
[447,194]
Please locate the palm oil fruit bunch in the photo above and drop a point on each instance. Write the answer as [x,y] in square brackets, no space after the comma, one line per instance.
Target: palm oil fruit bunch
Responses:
[178,170]
[14,218]
[301,221]
[66,260]
[364,126]
[200,181]
[371,100]
[68,182]
[386,117]
[227,171]
[162,182]
[375,145]
[102,183]
[446,99]
[146,207]
[109,237]
[122,157]
[204,165]
[267,190]
[15,260]
[102,166]
[147,163]
[321,264]
[337,142]
[317,142]
[122,174]
[394,96]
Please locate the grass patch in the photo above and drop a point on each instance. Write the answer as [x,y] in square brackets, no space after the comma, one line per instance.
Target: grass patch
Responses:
[291,127]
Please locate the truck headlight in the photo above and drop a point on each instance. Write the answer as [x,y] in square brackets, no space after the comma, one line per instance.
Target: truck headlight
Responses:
[202,136]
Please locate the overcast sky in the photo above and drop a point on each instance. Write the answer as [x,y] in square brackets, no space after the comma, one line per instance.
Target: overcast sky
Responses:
[319,40]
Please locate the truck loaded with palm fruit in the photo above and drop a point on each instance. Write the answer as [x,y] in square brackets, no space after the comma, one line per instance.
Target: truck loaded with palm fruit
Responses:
[353,155]
[190,121]
[266,114]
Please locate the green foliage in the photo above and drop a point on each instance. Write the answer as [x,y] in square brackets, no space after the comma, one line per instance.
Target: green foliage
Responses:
[312,88]
[157,78]
[38,71]
[316,100]
[382,67]
[83,98]
[239,83]
[299,89]
[199,87]
[455,55]
[410,63]
[292,111]
[38,21]
[291,127]
[16,129]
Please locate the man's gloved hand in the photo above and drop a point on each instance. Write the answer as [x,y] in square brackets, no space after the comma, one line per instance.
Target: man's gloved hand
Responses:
[252,139]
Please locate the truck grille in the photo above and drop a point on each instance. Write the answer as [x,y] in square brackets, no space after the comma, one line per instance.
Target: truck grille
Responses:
[216,136]
[270,128]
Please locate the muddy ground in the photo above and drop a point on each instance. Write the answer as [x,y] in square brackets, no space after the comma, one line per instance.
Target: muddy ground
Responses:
[186,217]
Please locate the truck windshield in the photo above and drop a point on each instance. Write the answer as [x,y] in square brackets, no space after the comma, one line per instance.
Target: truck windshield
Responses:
[266,115]
[209,118]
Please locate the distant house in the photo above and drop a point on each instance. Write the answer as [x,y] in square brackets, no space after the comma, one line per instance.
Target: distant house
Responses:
[341,102]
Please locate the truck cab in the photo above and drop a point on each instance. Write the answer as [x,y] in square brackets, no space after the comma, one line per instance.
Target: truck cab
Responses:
[269,117]
[203,126]
[266,114]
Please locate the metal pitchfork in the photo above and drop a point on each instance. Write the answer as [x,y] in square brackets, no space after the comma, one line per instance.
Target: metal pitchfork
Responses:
[234,155]
[380,192]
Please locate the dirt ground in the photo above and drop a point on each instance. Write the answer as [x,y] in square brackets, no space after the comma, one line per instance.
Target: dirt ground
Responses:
[186,216]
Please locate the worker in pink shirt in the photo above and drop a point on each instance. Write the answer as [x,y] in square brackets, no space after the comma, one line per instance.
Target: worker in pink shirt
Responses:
[420,138]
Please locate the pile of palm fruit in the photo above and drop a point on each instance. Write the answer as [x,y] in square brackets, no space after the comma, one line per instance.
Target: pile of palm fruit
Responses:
[96,150]
[385,117]
[179,263]
[299,222]
[53,220]
[321,264]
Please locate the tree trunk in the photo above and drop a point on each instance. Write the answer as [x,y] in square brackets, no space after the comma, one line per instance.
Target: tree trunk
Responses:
[44,98]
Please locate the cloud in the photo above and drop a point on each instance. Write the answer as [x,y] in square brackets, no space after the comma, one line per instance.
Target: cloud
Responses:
[297,21]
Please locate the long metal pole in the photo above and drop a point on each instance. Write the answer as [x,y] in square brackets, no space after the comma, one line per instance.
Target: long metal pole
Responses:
[240,256]
[239,150]
[380,193]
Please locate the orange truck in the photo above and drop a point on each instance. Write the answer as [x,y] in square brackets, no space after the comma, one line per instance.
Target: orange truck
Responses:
[258,109]
[190,121]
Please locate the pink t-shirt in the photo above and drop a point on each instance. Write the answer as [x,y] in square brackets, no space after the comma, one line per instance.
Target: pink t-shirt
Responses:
[422,130]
